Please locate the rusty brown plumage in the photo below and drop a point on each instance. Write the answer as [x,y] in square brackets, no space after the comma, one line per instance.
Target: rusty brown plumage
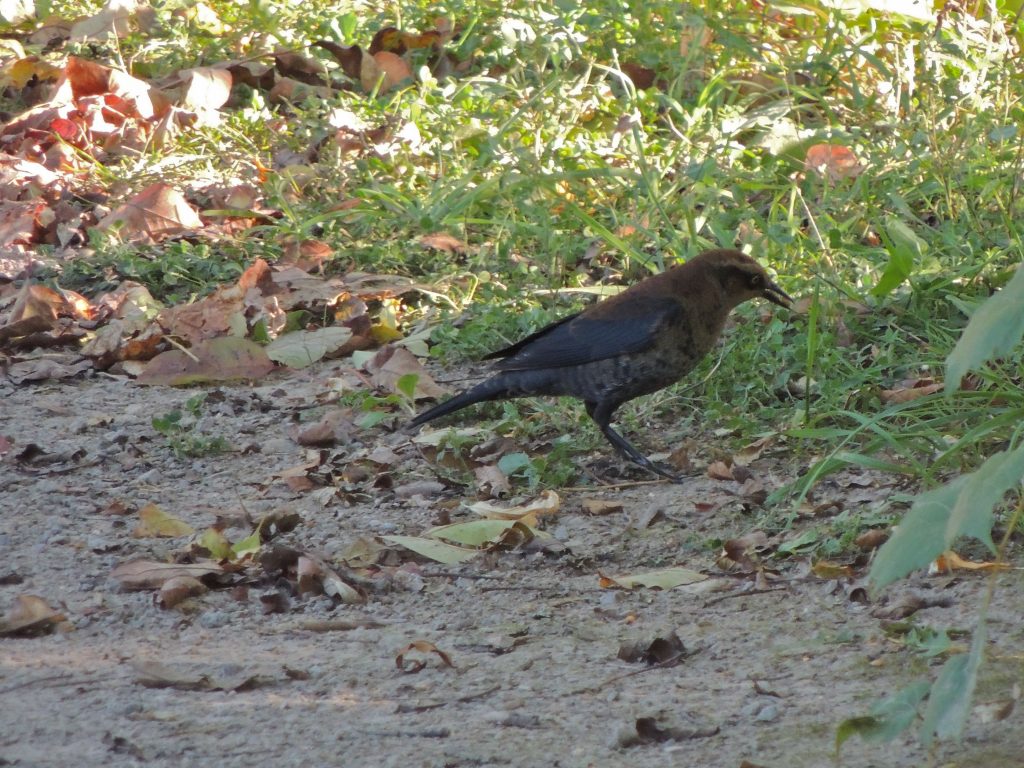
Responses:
[637,342]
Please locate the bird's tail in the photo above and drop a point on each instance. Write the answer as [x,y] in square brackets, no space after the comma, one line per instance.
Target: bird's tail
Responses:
[491,389]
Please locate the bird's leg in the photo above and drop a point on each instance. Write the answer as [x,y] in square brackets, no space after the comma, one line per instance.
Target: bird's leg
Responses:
[601,413]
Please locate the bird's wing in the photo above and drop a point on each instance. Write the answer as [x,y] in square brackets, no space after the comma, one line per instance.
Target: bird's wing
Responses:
[589,336]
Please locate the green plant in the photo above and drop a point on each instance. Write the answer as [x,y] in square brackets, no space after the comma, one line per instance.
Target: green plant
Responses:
[181,430]
[963,507]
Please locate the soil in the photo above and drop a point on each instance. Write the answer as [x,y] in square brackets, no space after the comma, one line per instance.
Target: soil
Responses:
[256,674]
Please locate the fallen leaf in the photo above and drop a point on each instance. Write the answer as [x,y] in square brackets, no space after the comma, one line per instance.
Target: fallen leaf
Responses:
[442,241]
[744,550]
[151,574]
[222,359]
[384,67]
[951,561]
[601,506]
[303,348]
[662,649]
[196,677]
[208,88]
[825,569]
[177,589]
[411,666]
[154,522]
[491,481]
[392,363]
[872,539]
[833,161]
[548,503]
[432,549]
[45,369]
[642,77]
[30,616]
[906,394]
[154,214]
[480,533]
[719,470]
[748,453]
[663,578]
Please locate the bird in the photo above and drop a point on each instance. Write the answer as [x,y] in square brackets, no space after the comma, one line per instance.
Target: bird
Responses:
[632,344]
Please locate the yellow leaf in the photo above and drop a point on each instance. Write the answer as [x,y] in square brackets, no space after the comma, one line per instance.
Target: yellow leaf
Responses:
[153,521]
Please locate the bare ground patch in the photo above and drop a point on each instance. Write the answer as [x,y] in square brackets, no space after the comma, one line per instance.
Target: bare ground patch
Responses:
[765,677]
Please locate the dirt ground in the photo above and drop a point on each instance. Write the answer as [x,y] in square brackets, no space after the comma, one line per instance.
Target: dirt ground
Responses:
[770,667]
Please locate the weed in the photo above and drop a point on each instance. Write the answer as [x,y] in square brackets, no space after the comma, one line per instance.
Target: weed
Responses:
[182,431]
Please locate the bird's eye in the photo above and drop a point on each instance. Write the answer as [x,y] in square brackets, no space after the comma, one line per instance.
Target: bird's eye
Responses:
[755,282]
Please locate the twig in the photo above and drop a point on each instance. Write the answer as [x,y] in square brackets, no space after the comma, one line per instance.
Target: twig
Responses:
[179,346]
[722,598]
[667,663]
[611,486]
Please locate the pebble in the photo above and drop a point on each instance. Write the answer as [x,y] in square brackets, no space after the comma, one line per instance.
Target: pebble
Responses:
[277,445]
[381,526]
[214,619]
[761,711]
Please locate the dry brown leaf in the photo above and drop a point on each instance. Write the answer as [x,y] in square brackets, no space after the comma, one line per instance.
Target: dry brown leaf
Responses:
[548,503]
[810,509]
[178,589]
[680,458]
[601,506]
[392,363]
[833,161]
[951,561]
[25,69]
[642,76]
[20,222]
[663,649]
[225,359]
[411,666]
[30,616]
[335,426]
[195,677]
[115,18]
[84,78]
[385,67]
[46,369]
[491,481]
[350,58]
[442,241]
[219,314]
[208,88]
[304,69]
[150,574]
[748,453]
[872,539]
[915,389]
[388,39]
[719,470]
[156,213]
[744,550]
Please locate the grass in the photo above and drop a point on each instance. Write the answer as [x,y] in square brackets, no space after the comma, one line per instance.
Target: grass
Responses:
[558,172]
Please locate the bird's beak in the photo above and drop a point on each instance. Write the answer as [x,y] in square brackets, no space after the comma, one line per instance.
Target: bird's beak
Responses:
[776,295]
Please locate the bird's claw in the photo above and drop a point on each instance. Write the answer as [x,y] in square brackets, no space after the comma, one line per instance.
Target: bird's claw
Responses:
[663,471]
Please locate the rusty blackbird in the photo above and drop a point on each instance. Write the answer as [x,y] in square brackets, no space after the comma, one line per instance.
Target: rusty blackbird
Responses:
[637,342]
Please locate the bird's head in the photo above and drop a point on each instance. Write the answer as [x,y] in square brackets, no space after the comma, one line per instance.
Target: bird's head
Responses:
[741,278]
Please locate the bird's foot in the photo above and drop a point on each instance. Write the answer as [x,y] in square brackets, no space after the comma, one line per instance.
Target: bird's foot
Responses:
[662,471]
[658,469]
